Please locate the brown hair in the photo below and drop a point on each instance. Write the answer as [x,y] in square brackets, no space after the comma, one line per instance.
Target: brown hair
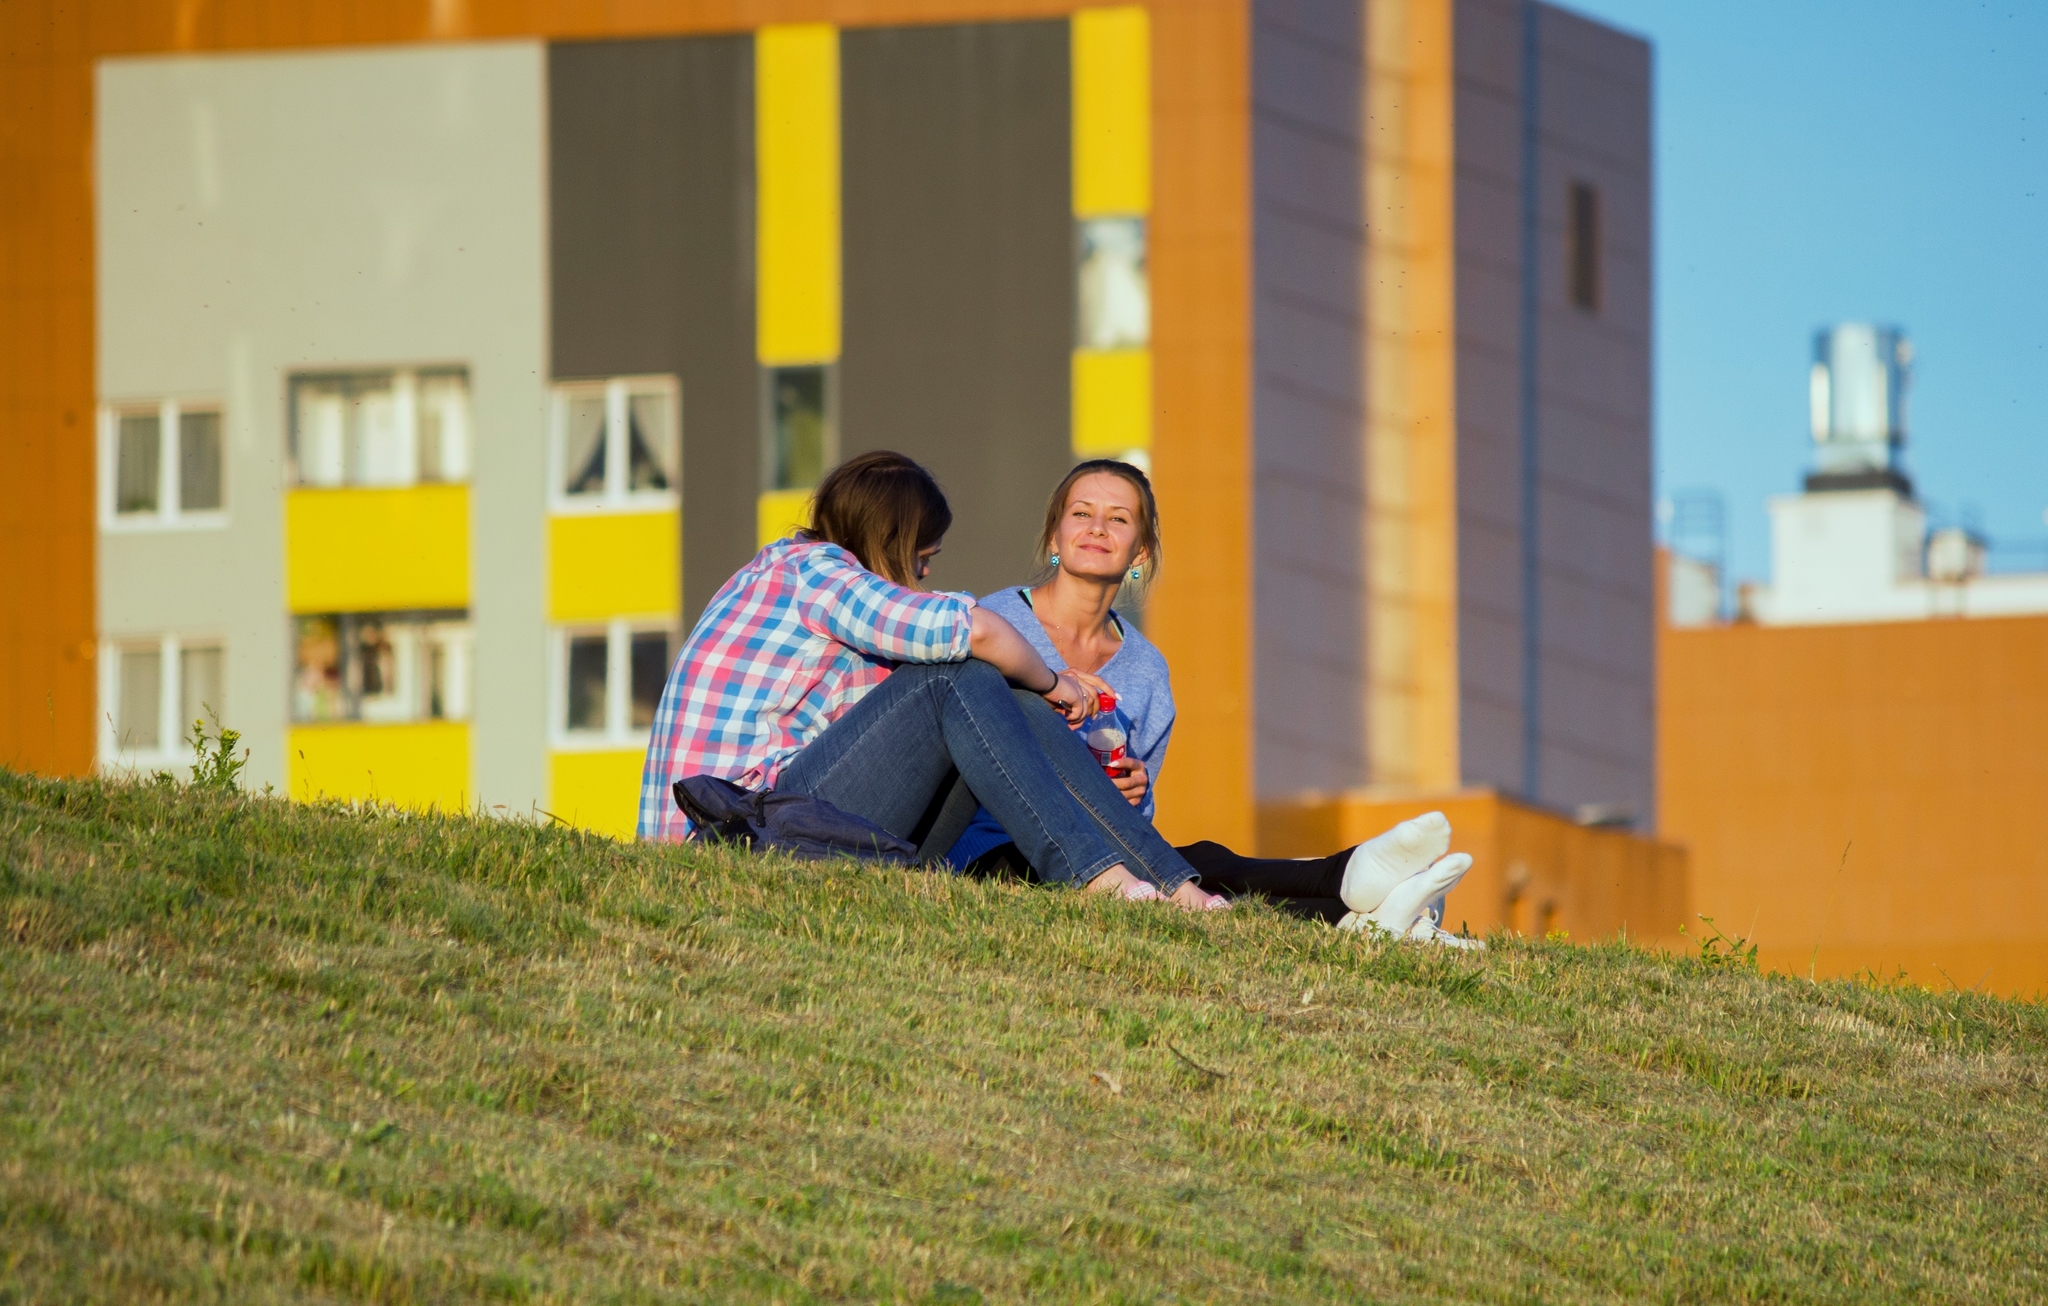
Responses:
[883,509]
[1149,543]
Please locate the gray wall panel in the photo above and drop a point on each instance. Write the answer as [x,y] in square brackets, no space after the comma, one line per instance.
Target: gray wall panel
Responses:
[1487,113]
[1598,629]
[651,199]
[959,273]
[1595,652]
[1308,399]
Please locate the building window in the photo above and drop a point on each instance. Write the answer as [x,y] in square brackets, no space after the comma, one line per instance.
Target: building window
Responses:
[380,428]
[616,444]
[152,689]
[797,412]
[1583,237]
[1114,293]
[608,681]
[162,465]
[382,667]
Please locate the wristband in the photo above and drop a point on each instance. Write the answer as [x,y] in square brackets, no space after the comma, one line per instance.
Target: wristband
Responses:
[1053,688]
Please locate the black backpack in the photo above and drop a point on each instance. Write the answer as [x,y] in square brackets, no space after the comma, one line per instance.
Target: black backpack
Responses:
[792,823]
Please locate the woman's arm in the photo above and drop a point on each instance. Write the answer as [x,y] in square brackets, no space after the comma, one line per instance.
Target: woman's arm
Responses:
[840,599]
[996,642]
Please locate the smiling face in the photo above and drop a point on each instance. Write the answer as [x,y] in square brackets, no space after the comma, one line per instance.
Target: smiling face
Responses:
[1098,535]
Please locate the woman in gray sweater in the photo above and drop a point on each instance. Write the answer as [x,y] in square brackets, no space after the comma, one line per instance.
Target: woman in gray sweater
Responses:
[1102,532]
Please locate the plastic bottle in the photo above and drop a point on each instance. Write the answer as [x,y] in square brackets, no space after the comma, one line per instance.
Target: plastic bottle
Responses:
[1106,737]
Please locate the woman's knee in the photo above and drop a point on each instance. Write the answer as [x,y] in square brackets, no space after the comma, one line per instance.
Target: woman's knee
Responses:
[975,671]
[968,670]
[972,676]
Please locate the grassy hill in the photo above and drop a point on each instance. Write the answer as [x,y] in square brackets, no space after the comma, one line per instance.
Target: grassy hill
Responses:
[257,1051]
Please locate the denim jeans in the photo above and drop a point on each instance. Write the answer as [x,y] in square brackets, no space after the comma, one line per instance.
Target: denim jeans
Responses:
[899,754]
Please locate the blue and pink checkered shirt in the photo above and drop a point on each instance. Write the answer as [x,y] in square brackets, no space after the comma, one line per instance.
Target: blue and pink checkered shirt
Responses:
[791,642]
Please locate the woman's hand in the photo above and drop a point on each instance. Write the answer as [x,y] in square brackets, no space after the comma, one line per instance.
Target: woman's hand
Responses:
[1073,695]
[1132,782]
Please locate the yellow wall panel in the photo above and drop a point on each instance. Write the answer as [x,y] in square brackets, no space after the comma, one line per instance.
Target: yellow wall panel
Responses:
[377,550]
[780,513]
[421,764]
[1112,401]
[796,133]
[597,791]
[626,564]
[1112,112]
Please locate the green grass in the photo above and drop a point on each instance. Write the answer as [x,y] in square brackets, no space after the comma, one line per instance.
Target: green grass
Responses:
[259,1051]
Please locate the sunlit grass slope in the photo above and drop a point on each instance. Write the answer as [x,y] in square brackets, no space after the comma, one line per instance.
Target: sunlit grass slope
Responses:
[253,1051]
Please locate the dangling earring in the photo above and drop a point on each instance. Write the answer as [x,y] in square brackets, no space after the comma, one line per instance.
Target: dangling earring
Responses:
[1137,573]
[1055,560]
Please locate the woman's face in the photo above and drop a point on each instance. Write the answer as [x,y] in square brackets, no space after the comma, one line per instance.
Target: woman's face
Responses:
[1098,533]
[924,563]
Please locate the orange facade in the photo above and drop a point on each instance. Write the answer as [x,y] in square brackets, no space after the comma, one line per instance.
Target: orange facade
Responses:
[1200,265]
[46,389]
[1866,798]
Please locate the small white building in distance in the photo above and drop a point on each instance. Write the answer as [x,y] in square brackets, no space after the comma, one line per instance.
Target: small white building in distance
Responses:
[1855,546]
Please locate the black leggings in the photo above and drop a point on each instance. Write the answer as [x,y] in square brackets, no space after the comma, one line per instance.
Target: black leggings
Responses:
[1306,887]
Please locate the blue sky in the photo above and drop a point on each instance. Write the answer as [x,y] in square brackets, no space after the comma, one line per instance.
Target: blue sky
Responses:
[1829,160]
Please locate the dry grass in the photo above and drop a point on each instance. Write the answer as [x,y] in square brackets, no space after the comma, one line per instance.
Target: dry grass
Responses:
[258,1051]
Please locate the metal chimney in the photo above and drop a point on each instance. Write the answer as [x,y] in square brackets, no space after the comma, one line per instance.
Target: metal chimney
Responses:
[1857,393]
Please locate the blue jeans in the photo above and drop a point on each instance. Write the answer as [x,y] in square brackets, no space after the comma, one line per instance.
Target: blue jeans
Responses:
[896,756]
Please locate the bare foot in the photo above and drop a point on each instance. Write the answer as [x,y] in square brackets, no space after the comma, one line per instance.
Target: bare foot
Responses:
[1123,884]
[1192,897]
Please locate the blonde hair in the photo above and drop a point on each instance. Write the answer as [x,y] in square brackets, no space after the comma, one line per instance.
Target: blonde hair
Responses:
[1149,543]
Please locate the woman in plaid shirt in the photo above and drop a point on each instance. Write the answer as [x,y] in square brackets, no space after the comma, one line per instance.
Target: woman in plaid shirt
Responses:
[823,668]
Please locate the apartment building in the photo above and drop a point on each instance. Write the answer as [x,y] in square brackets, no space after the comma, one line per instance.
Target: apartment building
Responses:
[418,373]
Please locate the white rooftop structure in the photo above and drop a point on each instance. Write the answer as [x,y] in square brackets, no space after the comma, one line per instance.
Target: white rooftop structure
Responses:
[1855,546]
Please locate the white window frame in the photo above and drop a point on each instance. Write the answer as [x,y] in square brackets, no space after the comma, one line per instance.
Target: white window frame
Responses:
[618,683]
[617,391]
[1084,230]
[406,384]
[770,451]
[412,633]
[171,748]
[169,468]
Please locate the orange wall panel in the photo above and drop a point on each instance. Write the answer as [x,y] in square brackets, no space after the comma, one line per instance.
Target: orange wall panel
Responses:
[46,390]
[1200,259]
[1866,798]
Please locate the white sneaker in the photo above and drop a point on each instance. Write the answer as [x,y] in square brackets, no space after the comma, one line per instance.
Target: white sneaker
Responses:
[1428,931]
[1385,860]
[1409,901]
